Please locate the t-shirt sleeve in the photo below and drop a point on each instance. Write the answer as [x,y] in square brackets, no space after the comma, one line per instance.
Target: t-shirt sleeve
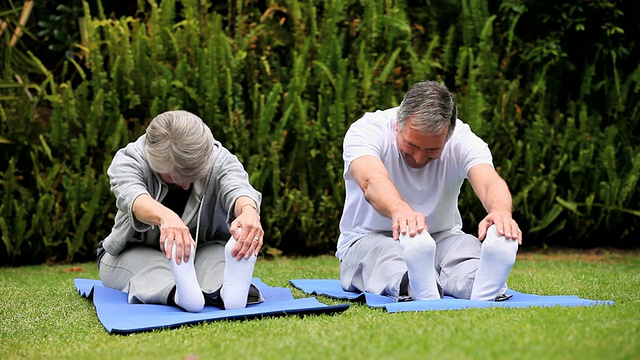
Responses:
[364,137]
[472,150]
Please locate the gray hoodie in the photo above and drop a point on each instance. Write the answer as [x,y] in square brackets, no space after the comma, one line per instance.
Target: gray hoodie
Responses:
[208,212]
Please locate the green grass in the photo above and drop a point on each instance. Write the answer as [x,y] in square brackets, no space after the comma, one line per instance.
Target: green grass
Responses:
[42,316]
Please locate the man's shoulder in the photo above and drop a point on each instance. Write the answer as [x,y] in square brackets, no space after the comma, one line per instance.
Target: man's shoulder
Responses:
[372,120]
[464,142]
[463,132]
[462,128]
[379,115]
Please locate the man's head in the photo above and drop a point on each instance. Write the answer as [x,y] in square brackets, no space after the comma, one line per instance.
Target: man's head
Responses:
[426,120]
[179,146]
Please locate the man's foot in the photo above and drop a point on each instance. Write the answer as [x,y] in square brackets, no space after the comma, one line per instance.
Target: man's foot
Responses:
[419,253]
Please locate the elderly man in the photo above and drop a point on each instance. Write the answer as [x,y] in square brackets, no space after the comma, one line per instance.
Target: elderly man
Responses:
[401,230]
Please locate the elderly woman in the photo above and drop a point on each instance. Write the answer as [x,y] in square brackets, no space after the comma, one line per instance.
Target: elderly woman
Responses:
[187,231]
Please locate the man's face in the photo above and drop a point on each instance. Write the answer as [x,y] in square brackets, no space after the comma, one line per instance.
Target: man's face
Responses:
[418,149]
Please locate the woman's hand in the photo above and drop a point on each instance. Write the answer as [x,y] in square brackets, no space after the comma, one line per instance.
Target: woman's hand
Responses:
[174,233]
[246,229]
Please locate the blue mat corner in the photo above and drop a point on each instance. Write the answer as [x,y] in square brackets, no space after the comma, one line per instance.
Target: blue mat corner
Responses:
[120,317]
[332,289]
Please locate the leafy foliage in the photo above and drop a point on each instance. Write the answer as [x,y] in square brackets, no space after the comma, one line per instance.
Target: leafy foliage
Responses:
[280,83]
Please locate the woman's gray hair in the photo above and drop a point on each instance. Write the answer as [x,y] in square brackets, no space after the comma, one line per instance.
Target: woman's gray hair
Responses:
[430,108]
[181,144]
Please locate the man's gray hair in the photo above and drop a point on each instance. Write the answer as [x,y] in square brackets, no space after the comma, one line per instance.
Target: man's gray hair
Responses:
[430,108]
[181,144]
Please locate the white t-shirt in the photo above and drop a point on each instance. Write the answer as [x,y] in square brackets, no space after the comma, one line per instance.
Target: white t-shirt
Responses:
[432,190]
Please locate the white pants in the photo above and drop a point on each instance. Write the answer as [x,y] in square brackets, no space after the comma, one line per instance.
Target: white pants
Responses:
[375,264]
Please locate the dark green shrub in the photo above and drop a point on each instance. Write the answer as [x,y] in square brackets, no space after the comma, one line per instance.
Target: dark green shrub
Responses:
[279,84]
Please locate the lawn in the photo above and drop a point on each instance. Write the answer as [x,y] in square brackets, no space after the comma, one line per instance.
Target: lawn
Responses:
[44,317]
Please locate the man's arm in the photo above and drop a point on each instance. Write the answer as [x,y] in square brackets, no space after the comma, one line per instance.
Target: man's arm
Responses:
[494,194]
[372,177]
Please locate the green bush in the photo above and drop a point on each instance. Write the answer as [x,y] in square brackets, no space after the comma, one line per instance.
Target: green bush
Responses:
[279,84]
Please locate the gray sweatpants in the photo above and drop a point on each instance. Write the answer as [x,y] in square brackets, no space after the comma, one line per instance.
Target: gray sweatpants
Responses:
[375,264]
[145,274]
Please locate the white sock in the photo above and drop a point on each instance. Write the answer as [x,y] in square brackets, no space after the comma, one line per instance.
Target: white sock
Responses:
[496,260]
[237,278]
[188,293]
[419,253]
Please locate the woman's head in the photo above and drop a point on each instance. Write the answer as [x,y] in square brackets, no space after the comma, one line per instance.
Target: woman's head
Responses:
[179,146]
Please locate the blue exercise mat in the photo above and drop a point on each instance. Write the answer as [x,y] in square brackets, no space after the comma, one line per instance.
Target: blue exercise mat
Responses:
[332,289]
[118,316]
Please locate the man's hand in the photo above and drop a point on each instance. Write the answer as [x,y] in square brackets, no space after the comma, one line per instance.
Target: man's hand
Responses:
[494,194]
[372,177]
[505,225]
[407,221]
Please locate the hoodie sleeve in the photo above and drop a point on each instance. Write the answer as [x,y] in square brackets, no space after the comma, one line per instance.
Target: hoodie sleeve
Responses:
[130,176]
[232,181]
